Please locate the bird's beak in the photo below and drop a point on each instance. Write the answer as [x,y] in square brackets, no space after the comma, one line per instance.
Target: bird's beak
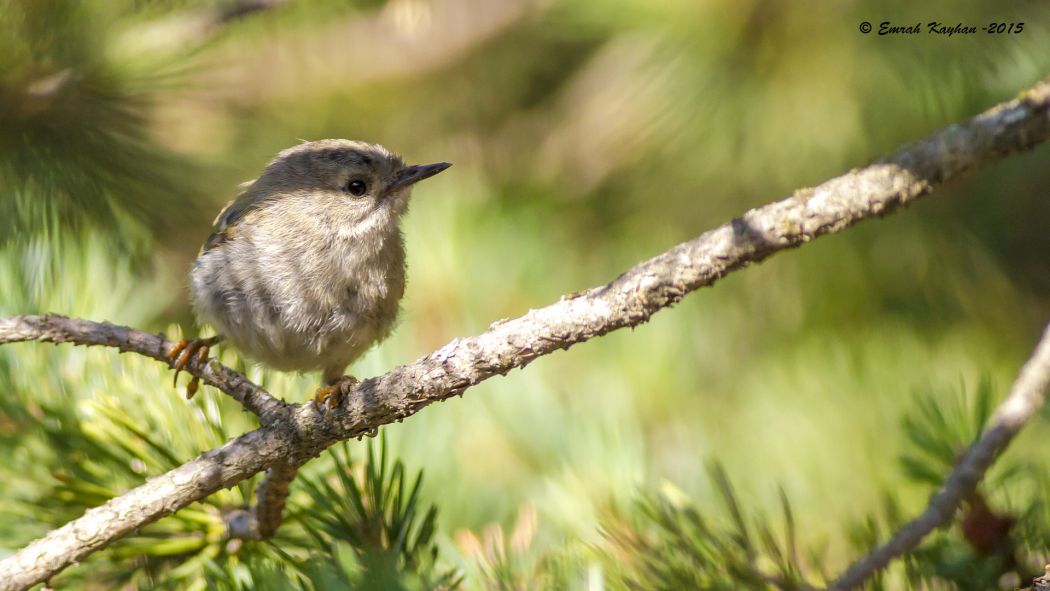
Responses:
[410,175]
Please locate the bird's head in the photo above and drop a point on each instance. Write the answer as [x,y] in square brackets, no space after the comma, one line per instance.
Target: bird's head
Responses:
[359,175]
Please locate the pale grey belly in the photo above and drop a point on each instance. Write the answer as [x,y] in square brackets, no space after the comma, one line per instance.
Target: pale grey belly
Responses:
[288,317]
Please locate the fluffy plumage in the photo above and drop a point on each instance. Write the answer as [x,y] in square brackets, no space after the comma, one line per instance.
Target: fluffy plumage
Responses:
[301,272]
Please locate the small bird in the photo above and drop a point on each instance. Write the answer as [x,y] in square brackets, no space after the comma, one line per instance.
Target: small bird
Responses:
[305,269]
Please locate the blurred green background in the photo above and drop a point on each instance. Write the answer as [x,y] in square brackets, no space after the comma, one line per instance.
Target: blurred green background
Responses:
[586,136]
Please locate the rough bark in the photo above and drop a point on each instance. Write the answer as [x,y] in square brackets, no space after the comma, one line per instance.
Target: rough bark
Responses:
[272,496]
[53,328]
[298,433]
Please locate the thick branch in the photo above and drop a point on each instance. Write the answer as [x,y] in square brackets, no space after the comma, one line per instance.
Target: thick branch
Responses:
[1025,399]
[304,431]
[52,328]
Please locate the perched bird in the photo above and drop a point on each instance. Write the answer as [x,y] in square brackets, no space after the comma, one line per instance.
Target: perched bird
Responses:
[305,269]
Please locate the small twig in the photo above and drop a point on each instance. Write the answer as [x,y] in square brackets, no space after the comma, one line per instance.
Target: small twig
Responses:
[1025,398]
[52,328]
[272,496]
[264,517]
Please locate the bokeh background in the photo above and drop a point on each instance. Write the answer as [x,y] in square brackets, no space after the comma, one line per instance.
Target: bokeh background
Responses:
[586,135]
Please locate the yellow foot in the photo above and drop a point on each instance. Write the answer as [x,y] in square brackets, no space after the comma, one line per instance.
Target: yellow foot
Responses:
[332,395]
[183,351]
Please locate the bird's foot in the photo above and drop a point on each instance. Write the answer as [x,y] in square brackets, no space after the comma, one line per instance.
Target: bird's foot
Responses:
[332,395]
[183,351]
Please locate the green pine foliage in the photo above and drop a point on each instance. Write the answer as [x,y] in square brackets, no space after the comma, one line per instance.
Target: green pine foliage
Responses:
[375,516]
[76,146]
[996,541]
[675,545]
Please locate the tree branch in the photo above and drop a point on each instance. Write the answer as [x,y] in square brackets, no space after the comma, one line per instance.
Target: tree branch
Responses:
[262,521]
[272,496]
[52,328]
[1025,399]
[300,432]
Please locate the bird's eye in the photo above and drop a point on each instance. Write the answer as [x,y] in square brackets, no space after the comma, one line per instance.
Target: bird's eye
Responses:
[357,187]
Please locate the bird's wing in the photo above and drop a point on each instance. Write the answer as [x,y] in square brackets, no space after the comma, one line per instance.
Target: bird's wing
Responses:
[224,228]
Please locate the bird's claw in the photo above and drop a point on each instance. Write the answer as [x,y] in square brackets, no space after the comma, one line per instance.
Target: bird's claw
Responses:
[371,433]
[331,396]
[183,351]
